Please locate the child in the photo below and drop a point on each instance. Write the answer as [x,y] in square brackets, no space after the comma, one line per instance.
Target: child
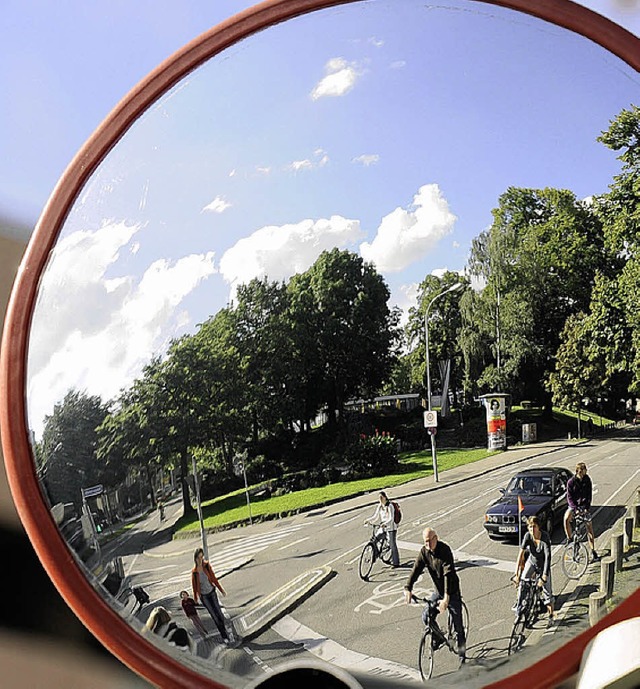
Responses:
[189,607]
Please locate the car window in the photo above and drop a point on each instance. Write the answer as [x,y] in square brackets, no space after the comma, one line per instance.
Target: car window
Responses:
[546,488]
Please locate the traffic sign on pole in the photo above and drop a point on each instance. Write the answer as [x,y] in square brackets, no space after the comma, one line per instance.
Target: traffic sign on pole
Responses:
[430,419]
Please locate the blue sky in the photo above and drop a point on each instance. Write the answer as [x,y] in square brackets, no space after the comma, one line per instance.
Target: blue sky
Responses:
[389,129]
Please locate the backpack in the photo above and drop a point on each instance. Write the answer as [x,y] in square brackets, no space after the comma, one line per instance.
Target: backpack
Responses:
[397,513]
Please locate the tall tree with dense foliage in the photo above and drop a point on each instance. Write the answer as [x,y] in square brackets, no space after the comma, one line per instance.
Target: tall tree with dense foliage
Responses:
[538,261]
[352,327]
[619,211]
[67,451]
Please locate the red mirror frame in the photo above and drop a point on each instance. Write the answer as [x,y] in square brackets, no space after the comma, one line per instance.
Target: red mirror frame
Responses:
[121,639]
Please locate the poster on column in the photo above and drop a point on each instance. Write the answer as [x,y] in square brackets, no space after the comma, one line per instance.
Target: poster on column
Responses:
[496,422]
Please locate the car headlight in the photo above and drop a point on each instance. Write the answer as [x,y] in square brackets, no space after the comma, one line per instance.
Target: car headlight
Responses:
[491,518]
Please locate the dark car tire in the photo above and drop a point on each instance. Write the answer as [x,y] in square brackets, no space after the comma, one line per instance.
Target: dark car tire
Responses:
[549,524]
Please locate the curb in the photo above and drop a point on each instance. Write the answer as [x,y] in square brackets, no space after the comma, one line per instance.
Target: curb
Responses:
[281,601]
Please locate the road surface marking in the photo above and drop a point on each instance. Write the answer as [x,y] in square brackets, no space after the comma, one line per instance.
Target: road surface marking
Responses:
[300,540]
[467,559]
[471,540]
[333,652]
[346,521]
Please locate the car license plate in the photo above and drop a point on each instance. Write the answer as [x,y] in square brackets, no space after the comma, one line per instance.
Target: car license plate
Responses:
[507,529]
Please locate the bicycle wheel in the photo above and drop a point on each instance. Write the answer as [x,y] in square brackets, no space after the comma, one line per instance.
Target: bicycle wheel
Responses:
[367,559]
[385,551]
[516,640]
[532,607]
[426,656]
[465,623]
[575,559]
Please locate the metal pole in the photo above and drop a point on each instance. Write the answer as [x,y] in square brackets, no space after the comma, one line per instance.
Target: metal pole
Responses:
[246,490]
[196,485]
[434,454]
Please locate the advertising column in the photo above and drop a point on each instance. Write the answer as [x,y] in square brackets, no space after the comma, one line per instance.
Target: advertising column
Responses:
[496,408]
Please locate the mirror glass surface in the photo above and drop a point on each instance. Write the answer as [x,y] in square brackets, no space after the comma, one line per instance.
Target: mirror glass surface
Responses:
[388,130]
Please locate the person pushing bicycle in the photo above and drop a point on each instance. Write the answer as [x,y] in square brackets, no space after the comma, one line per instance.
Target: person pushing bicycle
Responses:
[437,557]
[535,558]
[384,514]
[579,496]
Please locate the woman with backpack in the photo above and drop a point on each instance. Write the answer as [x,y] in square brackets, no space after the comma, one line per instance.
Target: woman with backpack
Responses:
[385,515]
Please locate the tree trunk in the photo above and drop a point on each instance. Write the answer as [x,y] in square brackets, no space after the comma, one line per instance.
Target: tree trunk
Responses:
[187,509]
[547,411]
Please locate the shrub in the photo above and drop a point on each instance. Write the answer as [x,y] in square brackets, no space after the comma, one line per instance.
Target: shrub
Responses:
[372,455]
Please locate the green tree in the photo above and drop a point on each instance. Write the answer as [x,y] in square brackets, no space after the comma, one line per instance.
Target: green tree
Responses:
[619,211]
[67,450]
[352,328]
[538,262]
[445,324]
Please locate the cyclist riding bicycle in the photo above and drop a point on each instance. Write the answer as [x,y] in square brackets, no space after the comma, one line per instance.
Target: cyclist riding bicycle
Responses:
[535,557]
[437,557]
[384,515]
[579,496]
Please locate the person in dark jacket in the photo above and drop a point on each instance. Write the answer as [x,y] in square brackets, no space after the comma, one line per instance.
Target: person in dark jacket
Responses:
[437,557]
[579,496]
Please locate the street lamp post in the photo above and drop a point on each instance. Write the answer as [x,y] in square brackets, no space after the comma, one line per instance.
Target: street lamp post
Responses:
[434,456]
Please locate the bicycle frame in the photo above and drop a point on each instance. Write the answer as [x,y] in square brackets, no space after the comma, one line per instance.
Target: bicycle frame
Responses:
[443,638]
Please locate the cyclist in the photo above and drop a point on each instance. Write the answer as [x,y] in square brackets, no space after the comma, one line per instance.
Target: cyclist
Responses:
[579,495]
[384,515]
[437,557]
[536,548]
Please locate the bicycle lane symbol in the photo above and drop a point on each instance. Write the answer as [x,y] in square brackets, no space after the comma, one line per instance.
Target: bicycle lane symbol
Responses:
[387,596]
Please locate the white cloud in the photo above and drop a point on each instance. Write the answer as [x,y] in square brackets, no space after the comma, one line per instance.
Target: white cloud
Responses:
[278,252]
[94,332]
[398,64]
[340,77]
[366,159]
[218,205]
[321,159]
[406,235]
[263,170]
[298,165]
[455,245]
[376,42]
[406,297]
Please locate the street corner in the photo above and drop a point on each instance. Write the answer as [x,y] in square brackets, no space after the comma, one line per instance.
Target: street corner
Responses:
[170,549]
[281,601]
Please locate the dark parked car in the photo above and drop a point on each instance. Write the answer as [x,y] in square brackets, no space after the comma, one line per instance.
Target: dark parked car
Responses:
[543,492]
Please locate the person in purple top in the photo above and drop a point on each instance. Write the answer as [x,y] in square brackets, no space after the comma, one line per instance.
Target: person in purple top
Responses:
[579,495]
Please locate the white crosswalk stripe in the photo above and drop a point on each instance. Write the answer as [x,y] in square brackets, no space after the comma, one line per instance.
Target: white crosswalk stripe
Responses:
[226,560]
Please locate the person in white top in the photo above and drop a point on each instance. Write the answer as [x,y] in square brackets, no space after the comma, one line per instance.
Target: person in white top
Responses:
[384,515]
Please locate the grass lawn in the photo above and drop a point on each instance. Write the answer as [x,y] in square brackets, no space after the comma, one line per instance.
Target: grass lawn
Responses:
[232,508]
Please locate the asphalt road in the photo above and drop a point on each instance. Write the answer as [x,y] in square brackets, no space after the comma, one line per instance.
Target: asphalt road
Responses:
[366,627]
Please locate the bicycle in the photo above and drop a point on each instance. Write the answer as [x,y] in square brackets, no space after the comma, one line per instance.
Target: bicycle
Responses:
[378,547]
[434,638]
[531,607]
[575,555]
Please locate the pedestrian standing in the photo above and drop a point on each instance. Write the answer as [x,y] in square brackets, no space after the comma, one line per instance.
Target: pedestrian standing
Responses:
[189,607]
[385,516]
[204,583]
